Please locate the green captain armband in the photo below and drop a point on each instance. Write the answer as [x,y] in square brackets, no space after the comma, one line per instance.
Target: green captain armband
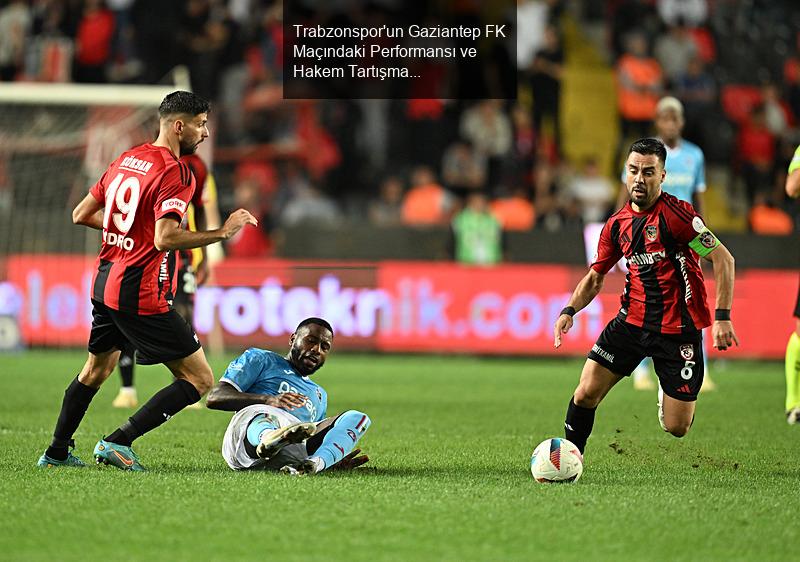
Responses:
[705,241]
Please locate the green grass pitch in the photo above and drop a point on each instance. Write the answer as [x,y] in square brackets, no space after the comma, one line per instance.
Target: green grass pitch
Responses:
[449,477]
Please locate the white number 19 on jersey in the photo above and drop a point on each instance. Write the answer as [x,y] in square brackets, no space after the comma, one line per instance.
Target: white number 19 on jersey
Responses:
[124,195]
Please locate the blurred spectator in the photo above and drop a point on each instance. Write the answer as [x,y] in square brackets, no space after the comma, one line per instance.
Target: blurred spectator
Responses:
[697,90]
[93,43]
[532,17]
[489,130]
[756,153]
[427,203]
[15,24]
[594,192]
[386,210]
[545,80]
[463,169]
[775,112]
[477,235]
[124,64]
[515,211]
[791,80]
[519,167]
[693,12]
[767,218]
[250,242]
[310,205]
[674,50]
[639,85]
[627,15]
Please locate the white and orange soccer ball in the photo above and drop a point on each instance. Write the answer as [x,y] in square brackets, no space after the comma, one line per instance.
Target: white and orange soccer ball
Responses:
[556,460]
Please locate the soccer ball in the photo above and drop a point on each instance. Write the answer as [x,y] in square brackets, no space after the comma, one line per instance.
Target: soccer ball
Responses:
[556,460]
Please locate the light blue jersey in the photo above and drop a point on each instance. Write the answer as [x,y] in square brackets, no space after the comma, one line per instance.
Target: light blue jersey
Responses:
[264,372]
[686,171]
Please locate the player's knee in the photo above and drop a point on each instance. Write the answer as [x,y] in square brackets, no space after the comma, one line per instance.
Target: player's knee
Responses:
[678,429]
[356,419]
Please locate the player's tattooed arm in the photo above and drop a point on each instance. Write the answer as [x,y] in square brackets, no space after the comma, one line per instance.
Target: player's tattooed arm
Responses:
[227,397]
[724,273]
[170,236]
[584,293]
[89,212]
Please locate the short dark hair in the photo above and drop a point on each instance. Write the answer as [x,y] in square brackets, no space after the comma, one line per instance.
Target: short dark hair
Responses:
[182,102]
[650,145]
[317,321]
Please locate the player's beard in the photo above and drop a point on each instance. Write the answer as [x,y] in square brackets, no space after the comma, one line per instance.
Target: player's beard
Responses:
[297,361]
[187,148]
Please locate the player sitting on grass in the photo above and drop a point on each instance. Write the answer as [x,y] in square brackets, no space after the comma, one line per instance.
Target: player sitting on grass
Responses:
[280,421]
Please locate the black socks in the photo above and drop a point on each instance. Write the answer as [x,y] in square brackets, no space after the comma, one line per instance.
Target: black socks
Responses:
[76,400]
[166,403]
[578,425]
[126,361]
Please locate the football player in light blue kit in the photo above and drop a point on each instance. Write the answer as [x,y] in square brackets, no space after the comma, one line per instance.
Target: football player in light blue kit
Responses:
[280,421]
[686,180]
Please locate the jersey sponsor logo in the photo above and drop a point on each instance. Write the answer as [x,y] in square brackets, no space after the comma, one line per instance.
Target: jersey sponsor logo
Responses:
[308,405]
[118,240]
[174,204]
[352,435]
[651,232]
[707,239]
[697,224]
[687,351]
[133,164]
[648,258]
[603,353]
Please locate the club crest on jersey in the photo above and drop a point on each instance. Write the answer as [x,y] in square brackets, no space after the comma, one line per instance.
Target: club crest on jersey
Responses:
[651,233]
[708,240]
[352,435]
[687,351]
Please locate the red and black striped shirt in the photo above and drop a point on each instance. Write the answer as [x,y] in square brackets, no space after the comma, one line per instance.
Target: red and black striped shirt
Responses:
[664,290]
[143,185]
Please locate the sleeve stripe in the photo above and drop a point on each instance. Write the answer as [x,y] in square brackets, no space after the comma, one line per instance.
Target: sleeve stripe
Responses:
[230,382]
[681,213]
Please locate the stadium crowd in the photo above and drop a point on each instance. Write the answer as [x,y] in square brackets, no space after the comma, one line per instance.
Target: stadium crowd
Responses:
[734,65]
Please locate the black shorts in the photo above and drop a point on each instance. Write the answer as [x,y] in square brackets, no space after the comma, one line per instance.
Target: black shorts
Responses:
[797,304]
[157,338]
[678,359]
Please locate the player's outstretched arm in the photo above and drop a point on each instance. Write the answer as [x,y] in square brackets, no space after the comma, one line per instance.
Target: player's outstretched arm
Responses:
[724,273]
[170,236]
[227,397]
[584,293]
[88,213]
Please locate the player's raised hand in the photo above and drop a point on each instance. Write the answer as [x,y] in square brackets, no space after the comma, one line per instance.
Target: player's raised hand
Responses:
[236,222]
[563,324]
[723,334]
[289,400]
[351,461]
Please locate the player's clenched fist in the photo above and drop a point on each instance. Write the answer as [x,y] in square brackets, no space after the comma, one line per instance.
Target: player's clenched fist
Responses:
[236,222]
[563,324]
[724,336]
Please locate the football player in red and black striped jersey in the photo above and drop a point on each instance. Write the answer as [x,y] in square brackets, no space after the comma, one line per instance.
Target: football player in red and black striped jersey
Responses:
[663,305]
[138,205]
